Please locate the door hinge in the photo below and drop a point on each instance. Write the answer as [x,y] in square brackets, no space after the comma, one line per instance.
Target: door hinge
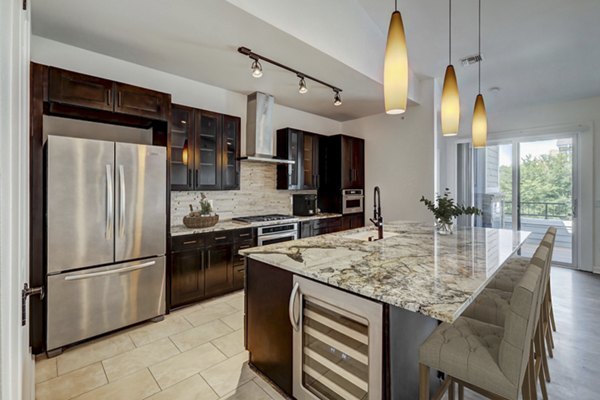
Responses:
[25,5]
[25,293]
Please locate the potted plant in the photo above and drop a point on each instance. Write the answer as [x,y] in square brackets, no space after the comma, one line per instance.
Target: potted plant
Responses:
[205,218]
[445,210]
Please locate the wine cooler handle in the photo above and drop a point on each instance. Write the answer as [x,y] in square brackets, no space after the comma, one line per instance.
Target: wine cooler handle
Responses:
[293,295]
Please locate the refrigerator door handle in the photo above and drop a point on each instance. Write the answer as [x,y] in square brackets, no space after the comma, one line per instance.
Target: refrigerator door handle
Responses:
[122,201]
[109,272]
[109,203]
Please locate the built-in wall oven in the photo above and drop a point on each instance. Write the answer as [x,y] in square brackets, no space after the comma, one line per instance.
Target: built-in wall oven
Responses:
[337,343]
[352,201]
[277,233]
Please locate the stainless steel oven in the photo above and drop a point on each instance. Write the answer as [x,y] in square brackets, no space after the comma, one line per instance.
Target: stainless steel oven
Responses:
[352,201]
[277,233]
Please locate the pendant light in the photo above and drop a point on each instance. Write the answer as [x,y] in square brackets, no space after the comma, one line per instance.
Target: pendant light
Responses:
[395,70]
[450,97]
[479,127]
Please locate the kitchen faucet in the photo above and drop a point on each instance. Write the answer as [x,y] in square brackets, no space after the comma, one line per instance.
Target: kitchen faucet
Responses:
[377,219]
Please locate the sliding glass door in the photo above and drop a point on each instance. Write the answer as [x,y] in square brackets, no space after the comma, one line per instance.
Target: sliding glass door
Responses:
[529,185]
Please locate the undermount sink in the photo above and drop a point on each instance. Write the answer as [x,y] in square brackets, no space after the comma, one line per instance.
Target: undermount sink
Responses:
[369,235]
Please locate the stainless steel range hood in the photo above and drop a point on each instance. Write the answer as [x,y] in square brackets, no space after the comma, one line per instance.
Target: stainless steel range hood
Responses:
[260,137]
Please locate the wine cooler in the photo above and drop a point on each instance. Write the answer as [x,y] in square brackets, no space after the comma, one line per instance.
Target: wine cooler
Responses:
[337,351]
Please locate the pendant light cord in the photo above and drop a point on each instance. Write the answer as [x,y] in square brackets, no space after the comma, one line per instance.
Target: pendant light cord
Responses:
[479,63]
[449,32]
[396,5]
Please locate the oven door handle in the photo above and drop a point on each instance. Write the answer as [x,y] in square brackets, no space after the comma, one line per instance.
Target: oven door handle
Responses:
[293,235]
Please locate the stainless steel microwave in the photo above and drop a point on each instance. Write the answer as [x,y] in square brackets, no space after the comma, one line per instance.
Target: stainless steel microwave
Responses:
[352,201]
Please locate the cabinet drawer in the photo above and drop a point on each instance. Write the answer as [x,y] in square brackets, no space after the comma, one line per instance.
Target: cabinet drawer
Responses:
[239,275]
[237,258]
[218,238]
[187,242]
[240,235]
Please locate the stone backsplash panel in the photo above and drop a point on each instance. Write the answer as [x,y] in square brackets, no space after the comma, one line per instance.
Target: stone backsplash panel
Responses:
[257,195]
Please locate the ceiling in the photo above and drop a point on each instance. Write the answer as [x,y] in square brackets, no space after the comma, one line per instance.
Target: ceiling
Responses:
[535,51]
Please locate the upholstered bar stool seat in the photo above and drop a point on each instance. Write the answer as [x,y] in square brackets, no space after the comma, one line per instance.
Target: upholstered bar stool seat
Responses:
[468,350]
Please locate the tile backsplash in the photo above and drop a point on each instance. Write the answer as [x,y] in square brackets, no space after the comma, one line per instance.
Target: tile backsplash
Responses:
[257,195]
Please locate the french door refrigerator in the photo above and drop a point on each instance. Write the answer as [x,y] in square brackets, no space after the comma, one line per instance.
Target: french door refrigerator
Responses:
[106,237]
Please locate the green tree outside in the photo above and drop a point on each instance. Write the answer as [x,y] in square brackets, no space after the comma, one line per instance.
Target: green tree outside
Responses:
[544,179]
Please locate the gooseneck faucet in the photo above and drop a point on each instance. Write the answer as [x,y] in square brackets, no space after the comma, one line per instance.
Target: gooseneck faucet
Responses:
[377,219]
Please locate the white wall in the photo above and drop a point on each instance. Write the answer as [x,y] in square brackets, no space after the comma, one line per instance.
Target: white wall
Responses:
[184,91]
[399,155]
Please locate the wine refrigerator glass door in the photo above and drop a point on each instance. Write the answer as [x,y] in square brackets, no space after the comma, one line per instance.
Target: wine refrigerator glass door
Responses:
[337,344]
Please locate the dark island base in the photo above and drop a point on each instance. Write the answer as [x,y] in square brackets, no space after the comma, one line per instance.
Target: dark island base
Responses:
[269,335]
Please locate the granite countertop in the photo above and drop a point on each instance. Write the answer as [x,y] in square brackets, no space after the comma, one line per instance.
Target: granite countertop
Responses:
[228,224]
[417,269]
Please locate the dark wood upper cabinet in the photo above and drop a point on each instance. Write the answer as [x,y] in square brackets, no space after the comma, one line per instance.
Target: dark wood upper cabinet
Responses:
[230,163]
[182,148]
[302,148]
[71,88]
[213,148]
[353,169]
[135,100]
[208,151]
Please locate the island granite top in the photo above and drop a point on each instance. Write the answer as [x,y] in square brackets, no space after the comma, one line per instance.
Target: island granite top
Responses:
[416,269]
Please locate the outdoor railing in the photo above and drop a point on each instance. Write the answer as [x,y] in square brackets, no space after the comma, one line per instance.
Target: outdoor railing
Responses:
[541,210]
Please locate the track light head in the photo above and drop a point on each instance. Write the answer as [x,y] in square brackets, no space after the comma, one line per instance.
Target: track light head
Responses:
[302,89]
[256,68]
[337,99]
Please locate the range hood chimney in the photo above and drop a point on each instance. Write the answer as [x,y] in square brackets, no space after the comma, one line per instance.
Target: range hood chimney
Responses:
[260,137]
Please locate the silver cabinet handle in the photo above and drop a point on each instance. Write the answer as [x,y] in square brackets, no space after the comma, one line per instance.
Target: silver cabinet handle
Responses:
[191,242]
[109,272]
[295,324]
[122,201]
[109,203]
[221,238]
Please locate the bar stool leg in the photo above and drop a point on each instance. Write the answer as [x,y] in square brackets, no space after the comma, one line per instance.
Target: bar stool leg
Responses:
[525,389]
[532,384]
[451,390]
[423,382]
[461,391]
[549,291]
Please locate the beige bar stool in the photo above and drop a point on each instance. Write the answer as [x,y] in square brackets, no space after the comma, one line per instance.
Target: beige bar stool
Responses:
[492,305]
[484,357]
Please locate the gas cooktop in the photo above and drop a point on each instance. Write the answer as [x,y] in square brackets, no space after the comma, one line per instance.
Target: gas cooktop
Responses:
[264,218]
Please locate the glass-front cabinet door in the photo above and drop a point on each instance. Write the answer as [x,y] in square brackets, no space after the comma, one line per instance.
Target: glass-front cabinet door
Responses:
[207,174]
[231,153]
[337,344]
[182,148]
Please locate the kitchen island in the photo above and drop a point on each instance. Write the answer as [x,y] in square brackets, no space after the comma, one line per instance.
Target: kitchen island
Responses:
[367,306]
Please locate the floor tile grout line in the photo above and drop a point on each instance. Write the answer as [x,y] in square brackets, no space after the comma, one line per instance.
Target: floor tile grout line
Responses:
[160,389]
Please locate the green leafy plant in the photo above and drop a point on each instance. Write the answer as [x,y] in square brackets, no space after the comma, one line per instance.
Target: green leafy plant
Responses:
[444,208]
[205,207]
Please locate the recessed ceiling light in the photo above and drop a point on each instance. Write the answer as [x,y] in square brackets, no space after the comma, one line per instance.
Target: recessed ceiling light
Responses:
[494,89]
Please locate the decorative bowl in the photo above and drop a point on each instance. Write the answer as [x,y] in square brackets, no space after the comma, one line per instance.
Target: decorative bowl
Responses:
[200,221]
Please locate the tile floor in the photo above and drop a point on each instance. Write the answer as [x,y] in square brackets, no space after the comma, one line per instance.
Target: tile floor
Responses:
[197,353]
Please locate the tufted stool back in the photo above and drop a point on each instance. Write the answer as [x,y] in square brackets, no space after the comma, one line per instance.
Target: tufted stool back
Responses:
[521,320]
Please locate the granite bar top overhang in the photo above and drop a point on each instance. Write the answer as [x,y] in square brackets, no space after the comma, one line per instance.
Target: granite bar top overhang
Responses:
[417,270]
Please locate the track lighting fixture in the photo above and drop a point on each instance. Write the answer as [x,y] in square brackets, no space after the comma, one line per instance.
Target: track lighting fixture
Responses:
[302,89]
[256,68]
[337,99]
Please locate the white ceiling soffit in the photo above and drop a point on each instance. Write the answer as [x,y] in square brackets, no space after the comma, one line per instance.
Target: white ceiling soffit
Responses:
[199,39]
[535,51]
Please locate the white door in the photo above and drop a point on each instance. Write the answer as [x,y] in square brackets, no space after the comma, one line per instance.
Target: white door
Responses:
[17,379]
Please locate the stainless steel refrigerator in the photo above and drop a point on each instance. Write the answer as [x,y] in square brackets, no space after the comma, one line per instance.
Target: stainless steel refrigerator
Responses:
[106,237]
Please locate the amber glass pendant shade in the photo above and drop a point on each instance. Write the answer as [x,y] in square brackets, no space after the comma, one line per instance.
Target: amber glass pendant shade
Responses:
[184,153]
[450,104]
[479,123]
[395,70]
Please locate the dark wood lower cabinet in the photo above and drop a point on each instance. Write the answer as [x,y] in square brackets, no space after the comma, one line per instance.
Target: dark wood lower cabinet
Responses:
[187,279]
[321,227]
[353,221]
[218,269]
[268,329]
